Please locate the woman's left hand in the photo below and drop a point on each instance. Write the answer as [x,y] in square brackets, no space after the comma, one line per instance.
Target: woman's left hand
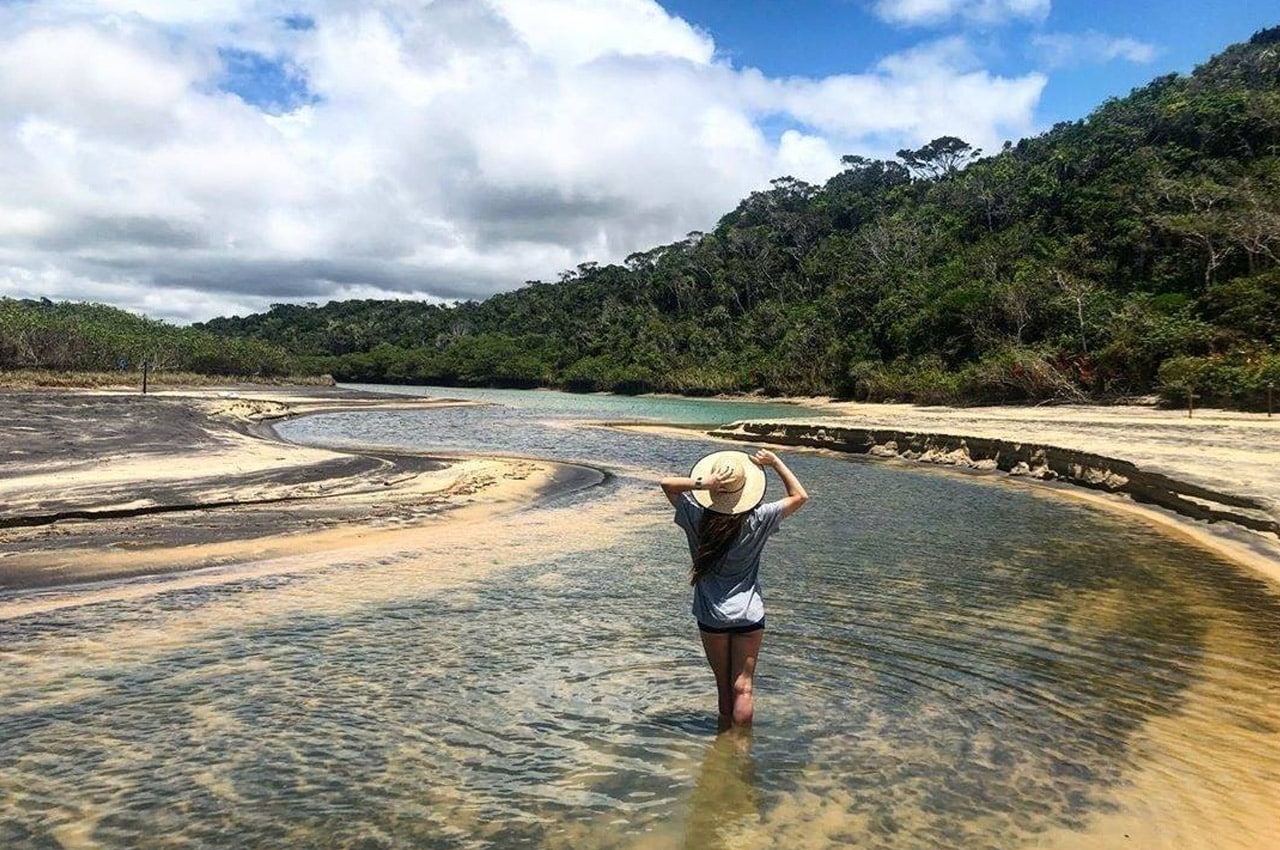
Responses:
[764,457]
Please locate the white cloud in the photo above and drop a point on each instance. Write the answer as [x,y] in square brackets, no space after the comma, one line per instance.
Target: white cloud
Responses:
[445,150]
[808,158]
[924,93]
[578,31]
[932,12]
[1057,49]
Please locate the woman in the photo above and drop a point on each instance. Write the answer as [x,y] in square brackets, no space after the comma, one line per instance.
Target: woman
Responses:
[719,507]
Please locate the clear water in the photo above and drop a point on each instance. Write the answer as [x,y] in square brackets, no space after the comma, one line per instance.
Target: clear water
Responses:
[533,423]
[606,407]
[951,662]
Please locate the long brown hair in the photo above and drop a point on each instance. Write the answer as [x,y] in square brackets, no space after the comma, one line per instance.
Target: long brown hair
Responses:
[716,533]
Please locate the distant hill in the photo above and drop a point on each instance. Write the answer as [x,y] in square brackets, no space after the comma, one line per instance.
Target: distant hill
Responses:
[1131,251]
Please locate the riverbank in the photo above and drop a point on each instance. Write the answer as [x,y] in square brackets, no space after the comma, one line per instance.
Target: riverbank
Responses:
[1223,450]
[105,484]
[1213,478]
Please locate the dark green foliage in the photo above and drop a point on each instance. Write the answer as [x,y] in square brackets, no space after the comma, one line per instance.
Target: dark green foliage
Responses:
[1247,307]
[1271,35]
[1239,379]
[942,157]
[1126,253]
[96,338]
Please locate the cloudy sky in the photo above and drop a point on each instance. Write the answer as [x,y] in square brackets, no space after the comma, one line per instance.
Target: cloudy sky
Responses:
[188,159]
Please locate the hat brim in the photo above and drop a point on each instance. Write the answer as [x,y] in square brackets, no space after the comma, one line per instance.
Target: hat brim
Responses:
[751,494]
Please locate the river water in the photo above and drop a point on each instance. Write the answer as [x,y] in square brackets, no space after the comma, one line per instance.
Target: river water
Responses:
[952,662]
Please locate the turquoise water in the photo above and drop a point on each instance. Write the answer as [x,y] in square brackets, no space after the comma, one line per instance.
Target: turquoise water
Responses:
[951,662]
[611,407]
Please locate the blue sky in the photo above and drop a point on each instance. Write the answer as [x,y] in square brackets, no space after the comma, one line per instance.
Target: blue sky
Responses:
[189,158]
[817,38]
[263,81]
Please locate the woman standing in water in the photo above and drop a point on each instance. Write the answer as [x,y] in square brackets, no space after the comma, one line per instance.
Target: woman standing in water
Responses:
[720,508]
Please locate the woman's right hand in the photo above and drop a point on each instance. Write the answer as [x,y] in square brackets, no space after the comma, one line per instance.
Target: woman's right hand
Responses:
[764,457]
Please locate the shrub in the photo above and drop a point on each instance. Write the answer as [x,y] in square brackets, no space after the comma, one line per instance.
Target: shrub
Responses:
[922,381]
[702,380]
[1017,374]
[1144,333]
[1249,306]
[1239,379]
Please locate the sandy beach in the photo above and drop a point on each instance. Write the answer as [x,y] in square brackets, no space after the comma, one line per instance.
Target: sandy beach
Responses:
[1225,450]
[101,485]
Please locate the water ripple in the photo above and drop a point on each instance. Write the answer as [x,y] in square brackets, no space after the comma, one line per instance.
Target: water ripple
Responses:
[949,664]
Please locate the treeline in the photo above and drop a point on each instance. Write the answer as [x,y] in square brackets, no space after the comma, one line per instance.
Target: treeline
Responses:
[1132,251]
[67,336]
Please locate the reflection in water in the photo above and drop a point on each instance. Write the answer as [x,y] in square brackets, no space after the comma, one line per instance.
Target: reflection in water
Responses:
[724,803]
[951,663]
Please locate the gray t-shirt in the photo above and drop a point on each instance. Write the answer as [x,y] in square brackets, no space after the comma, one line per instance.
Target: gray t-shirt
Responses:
[729,595]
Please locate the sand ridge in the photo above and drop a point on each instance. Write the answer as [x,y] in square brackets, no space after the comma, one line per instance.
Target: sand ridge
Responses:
[103,485]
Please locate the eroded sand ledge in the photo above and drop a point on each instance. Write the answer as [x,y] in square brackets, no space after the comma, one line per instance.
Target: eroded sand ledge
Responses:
[1043,462]
[1242,526]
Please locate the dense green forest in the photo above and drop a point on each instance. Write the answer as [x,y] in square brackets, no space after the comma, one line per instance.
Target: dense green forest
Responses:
[1134,251]
[96,338]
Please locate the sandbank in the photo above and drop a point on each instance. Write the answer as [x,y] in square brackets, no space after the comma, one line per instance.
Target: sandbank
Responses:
[98,485]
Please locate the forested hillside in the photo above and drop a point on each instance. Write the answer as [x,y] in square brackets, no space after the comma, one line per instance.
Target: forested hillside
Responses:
[1133,250]
[96,338]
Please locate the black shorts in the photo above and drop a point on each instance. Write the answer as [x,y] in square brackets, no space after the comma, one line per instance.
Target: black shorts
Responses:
[731,630]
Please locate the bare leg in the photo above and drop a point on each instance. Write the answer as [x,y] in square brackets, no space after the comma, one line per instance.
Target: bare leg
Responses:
[743,651]
[716,646]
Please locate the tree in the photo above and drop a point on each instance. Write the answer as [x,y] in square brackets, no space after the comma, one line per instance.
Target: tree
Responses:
[942,157]
[1199,216]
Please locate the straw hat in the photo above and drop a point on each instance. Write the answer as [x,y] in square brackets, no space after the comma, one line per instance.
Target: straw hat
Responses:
[741,482]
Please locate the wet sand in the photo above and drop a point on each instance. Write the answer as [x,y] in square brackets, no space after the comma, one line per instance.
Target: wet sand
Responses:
[99,485]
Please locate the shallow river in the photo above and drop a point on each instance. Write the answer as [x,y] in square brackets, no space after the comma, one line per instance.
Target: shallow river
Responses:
[952,662]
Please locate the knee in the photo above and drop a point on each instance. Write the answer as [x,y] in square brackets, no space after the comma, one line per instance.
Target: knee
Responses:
[743,702]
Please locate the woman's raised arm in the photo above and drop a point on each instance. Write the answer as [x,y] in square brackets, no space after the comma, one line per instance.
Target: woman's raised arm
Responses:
[673,487]
[796,494]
